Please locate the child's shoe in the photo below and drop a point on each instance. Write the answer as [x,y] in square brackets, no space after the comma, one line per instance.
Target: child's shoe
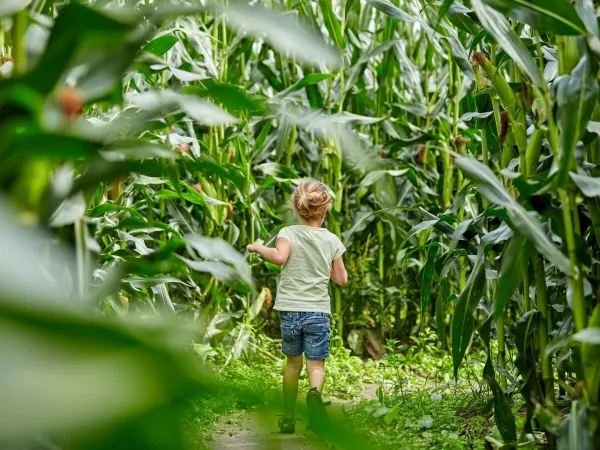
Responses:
[316,410]
[287,426]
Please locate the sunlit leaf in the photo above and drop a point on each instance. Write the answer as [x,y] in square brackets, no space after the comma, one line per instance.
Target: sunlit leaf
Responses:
[282,32]
[499,27]
[526,222]
[548,16]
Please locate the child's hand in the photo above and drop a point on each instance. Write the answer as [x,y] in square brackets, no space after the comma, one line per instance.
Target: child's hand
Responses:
[254,248]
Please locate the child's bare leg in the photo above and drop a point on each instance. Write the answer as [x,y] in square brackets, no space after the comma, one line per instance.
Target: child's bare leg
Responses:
[316,373]
[293,367]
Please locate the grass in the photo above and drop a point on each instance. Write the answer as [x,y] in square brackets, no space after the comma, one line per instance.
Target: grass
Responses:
[424,419]
[417,400]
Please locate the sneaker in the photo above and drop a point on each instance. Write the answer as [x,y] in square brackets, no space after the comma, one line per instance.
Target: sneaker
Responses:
[316,409]
[287,426]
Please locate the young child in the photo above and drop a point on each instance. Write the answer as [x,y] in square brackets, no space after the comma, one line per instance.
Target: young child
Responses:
[310,256]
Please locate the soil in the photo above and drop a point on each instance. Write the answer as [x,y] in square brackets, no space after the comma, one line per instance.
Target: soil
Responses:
[257,428]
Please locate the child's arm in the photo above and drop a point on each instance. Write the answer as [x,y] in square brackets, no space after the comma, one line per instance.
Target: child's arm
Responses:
[278,255]
[338,272]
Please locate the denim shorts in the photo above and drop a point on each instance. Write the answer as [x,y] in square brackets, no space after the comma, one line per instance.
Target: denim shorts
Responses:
[305,332]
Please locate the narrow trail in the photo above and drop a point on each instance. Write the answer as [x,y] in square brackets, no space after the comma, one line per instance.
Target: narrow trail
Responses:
[257,428]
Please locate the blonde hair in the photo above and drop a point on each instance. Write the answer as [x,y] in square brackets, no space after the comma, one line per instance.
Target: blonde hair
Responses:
[311,199]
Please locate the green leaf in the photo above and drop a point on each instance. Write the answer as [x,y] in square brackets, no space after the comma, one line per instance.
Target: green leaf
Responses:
[218,249]
[459,53]
[475,115]
[76,29]
[461,18]
[505,419]
[548,16]
[524,221]
[590,186]
[70,211]
[281,31]
[589,335]
[417,229]
[499,27]
[443,10]
[161,45]
[332,23]
[201,111]
[257,305]
[427,274]
[232,98]
[278,170]
[512,271]
[10,7]
[575,432]
[576,98]
[308,80]
[463,321]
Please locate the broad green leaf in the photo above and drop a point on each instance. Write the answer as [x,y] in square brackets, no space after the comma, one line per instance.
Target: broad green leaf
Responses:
[135,150]
[505,419]
[257,305]
[587,13]
[278,170]
[461,229]
[186,76]
[461,18]
[440,317]
[332,23]
[514,265]
[417,109]
[526,222]
[138,282]
[526,327]
[161,45]
[374,176]
[588,335]
[417,229]
[232,98]
[475,115]
[201,111]
[548,16]
[307,80]
[499,27]
[459,53]
[70,211]
[10,7]
[427,274]
[443,10]
[575,432]
[218,249]
[463,322]
[590,186]
[217,269]
[76,29]
[576,98]
[281,31]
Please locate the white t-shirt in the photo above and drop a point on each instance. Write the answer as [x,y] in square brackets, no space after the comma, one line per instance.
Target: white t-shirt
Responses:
[304,281]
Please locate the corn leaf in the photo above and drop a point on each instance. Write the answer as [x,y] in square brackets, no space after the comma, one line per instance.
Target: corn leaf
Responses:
[574,432]
[526,222]
[512,270]
[10,7]
[499,27]
[548,16]
[576,98]
[463,322]
[282,32]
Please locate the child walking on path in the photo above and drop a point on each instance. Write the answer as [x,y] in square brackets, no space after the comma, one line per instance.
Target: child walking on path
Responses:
[310,256]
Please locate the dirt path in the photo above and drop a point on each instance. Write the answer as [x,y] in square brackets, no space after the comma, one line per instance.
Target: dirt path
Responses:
[257,429]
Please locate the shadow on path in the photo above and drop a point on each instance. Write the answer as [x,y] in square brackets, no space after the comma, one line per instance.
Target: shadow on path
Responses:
[257,428]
